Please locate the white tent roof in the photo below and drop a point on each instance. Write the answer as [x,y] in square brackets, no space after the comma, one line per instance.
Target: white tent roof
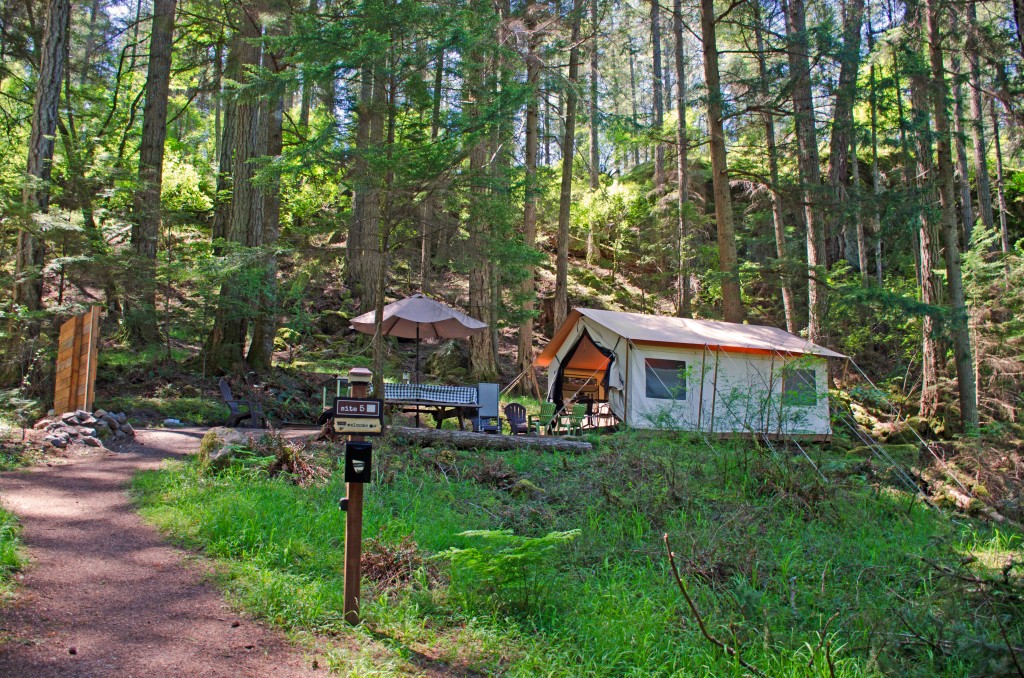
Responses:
[670,331]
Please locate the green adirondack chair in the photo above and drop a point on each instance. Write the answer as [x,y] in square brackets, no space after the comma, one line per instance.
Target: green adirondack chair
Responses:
[538,423]
[575,418]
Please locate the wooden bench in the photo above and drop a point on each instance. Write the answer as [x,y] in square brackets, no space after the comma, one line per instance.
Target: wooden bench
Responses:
[254,413]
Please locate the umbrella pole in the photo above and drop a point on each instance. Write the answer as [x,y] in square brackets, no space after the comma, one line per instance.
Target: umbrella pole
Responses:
[416,376]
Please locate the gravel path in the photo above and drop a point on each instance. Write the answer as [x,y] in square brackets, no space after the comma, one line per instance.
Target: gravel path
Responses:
[104,595]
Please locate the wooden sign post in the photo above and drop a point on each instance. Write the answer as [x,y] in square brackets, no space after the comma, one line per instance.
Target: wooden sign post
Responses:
[360,378]
[77,353]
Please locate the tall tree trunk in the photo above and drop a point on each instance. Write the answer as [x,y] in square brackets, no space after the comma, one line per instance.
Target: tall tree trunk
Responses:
[595,155]
[959,329]
[862,247]
[140,312]
[809,165]
[684,304]
[657,96]
[981,178]
[778,218]
[876,175]
[531,147]
[633,97]
[480,81]
[561,309]
[1003,230]
[841,235]
[224,349]
[928,232]
[261,347]
[429,207]
[728,264]
[962,171]
[363,253]
[28,276]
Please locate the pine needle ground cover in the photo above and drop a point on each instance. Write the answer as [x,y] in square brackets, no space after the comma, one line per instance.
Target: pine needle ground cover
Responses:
[551,564]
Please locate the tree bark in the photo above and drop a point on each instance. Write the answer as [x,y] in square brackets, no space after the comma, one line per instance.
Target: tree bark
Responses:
[959,329]
[732,303]
[778,215]
[1003,230]
[561,310]
[842,129]
[224,349]
[28,277]
[595,155]
[657,96]
[810,167]
[981,178]
[928,228]
[531,147]
[962,171]
[684,304]
[140,313]
[261,347]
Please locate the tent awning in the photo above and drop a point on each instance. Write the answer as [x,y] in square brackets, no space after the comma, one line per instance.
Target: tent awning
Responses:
[668,331]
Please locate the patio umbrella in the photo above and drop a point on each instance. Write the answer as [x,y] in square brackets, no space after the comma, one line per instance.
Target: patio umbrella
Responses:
[418,317]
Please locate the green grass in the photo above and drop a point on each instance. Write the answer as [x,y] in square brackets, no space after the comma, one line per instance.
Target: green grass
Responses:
[769,551]
[203,411]
[11,557]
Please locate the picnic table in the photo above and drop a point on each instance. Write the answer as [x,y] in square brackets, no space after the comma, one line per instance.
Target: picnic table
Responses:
[441,402]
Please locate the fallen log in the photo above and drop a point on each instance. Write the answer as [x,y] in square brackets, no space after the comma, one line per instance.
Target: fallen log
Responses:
[466,440]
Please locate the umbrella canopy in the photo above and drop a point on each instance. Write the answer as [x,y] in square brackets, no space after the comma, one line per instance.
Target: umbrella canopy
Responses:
[418,317]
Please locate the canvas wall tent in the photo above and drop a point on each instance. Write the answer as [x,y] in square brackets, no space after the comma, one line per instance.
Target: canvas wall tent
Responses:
[665,372]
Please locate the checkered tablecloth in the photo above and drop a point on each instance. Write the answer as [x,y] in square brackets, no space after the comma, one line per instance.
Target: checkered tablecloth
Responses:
[432,393]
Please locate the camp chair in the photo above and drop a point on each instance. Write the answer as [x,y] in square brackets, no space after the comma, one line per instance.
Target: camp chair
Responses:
[517,421]
[543,421]
[488,419]
[574,420]
[254,412]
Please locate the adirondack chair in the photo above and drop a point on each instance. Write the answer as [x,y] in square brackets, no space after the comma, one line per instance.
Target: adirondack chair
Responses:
[544,421]
[254,413]
[517,421]
[488,419]
[574,420]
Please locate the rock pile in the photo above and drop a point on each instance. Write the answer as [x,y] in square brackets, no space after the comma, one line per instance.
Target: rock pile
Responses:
[82,427]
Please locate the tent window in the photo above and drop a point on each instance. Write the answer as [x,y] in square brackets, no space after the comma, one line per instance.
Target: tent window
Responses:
[799,388]
[666,379]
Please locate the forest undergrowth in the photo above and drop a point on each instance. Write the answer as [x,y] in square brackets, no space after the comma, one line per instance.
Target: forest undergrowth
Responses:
[525,563]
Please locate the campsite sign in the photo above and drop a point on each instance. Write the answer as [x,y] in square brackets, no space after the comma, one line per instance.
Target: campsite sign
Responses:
[363,416]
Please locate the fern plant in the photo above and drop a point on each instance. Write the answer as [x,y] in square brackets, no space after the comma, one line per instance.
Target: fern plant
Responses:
[506,573]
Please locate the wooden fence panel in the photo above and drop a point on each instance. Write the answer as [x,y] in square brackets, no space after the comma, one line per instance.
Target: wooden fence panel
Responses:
[77,353]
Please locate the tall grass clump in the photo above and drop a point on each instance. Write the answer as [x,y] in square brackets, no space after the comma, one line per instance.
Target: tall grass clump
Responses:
[11,557]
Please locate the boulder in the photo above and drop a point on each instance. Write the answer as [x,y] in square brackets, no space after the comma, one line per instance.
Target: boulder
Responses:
[219,446]
[85,431]
[91,441]
[102,430]
[111,421]
[450,362]
[69,418]
[100,413]
[58,441]
[121,417]
[120,434]
[41,424]
[127,429]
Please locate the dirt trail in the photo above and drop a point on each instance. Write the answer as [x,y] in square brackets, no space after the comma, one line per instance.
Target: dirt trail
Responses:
[104,595]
